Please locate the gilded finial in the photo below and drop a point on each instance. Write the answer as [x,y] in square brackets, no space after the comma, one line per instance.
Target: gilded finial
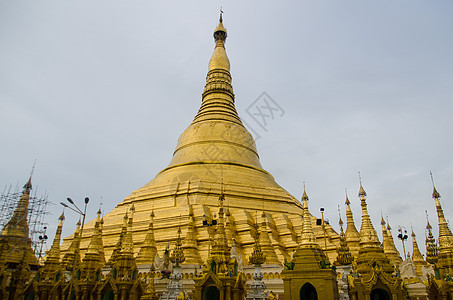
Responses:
[221,15]
[361,190]
[347,202]
[257,257]
[177,257]
[304,195]
[340,222]
[436,194]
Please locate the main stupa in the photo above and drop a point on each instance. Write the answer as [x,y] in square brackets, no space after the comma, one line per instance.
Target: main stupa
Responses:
[214,155]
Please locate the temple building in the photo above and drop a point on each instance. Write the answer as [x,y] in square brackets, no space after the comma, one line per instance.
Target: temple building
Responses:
[214,224]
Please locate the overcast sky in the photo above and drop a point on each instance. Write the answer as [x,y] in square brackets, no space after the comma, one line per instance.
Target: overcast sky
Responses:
[99,91]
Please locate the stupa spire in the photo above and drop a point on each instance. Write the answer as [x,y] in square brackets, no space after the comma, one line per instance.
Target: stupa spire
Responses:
[177,256]
[72,256]
[385,237]
[190,242]
[148,250]
[95,246]
[128,244]
[432,251]
[54,252]
[351,234]
[93,259]
[265,242]
[17,226]
[445,235]
[368,235]
[308,236]
[417,256]
[393,255]
[344,255]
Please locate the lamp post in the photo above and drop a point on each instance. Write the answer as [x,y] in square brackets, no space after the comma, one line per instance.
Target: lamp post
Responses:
[78,210]
[323,228]
[403,236]
[83,214]
[43,238]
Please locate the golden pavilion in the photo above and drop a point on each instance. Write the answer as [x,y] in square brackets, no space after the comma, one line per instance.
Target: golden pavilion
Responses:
[215,224]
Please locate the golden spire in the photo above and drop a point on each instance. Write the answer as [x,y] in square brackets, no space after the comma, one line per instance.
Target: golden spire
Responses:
[72,255]
[393,253]
[128,244]
[177,257]
[119,244]
[148,250]
[344,255]
[308,237]
[17,226]
[54,252]
[417,257]
[257,257]
[445,235]
[219,59]
[93,259]
[220,251]
[190,242]
[265,242]
[385,239]
[352,235]
[95,246]
[220,240]
[368,235]
[432,251]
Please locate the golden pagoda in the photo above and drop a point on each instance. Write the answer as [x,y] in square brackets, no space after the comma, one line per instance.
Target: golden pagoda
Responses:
[215,150]
[212,193]
[309,275]
[441,285]
[417,256]
[352,235]
[374,276]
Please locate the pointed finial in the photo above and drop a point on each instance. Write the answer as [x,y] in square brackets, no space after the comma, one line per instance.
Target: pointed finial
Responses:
[388,224]
[221,15]
[382,219]
[428,226]
[28,185]
[61,218]
[33,169]
[436,194]
[304,196]
[361,190]
[347,202]
[340,222]
[100,204]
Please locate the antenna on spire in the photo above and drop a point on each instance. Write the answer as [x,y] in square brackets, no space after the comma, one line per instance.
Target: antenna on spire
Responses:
[221,15]
[303,182]
[33,169]
[100,204]
[432,179]
[360,178]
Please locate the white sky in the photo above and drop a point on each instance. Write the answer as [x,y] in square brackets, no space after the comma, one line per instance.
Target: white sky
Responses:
[99,91]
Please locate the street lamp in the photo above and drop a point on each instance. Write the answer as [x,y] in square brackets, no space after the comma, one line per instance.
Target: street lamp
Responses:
[403,236]
[78,210]
[83,214]
[43,238]
[323,227]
